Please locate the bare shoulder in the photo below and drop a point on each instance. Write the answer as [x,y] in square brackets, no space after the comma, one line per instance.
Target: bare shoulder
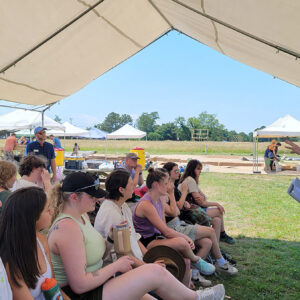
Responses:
[66,227]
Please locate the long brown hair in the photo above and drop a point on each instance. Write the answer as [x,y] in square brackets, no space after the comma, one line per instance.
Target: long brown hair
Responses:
[190,170]
[18,244]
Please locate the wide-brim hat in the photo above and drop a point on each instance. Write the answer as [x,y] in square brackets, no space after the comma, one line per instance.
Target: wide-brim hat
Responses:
[173,260]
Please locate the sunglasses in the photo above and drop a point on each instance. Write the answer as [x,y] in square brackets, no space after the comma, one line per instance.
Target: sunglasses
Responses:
[96,184]
[176,171]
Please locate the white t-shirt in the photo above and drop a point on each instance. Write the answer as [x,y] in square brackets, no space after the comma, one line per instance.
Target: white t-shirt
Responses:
[111,214]
[22,183]
[191,184]
[5,290]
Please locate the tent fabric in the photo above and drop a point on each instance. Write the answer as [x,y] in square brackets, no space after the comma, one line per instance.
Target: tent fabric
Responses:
[77,41]
[283,127]
[25,119]
[126,132]
[95,133]
[70,130]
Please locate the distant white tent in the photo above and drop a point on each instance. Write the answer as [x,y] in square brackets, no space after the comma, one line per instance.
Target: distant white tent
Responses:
[286,126]
[70,130]
[95,133]
[126,132]
[282,127]
[26,119]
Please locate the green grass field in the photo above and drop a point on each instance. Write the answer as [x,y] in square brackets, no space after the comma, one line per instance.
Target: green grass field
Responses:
[166,147]
[265,220]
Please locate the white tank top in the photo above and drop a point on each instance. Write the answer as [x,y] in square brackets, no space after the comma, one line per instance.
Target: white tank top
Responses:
[37,293]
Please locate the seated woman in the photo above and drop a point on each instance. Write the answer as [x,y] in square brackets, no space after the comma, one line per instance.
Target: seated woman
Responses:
[213,209]
[8,176]
[149,221]
[77,252]
[23,250]
[114,211]
[34,173]
[196,232]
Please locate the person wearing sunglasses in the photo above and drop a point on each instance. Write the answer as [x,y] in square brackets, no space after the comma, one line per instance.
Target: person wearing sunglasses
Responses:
[41,147]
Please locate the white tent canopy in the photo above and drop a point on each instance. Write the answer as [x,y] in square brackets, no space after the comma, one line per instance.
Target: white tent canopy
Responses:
[77,41]
[283,127]
[70,130]
[126,132]
[25,119]
[95,133]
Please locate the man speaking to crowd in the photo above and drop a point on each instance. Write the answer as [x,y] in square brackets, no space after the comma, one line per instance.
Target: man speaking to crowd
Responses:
[41,147]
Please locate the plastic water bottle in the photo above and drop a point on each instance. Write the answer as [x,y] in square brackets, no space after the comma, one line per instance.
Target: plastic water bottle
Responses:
[51,289]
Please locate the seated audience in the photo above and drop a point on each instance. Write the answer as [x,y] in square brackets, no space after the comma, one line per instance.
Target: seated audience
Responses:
[8,176]
[34,173]
[77,252]
[23,249]
[149,221]
[213,209]
[196,232]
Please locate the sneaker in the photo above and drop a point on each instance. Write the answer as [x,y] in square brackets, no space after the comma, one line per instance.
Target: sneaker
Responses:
[226,269]
[216,292]
[227,239]
[204,267]
[228,257]
[202,281]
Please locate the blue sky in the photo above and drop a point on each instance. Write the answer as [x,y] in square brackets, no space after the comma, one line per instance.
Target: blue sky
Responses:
[177,76]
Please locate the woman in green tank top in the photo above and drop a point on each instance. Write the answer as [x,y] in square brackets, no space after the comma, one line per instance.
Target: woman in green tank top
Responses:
[77,250]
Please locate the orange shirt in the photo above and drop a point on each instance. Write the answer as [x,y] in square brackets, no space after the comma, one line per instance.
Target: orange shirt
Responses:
[272,147]
[10,143]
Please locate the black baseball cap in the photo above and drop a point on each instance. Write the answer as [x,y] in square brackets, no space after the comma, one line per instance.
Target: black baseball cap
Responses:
[77,182]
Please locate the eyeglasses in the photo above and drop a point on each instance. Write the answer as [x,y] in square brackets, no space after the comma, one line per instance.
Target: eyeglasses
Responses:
[176,171]
[96,184]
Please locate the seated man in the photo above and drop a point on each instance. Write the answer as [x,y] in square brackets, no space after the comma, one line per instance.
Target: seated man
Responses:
[134,168]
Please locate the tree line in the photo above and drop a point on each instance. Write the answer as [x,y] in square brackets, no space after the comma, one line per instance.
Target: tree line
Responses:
[180,129]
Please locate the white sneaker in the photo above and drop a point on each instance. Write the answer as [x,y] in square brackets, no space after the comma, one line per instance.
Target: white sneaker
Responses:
[216,292]
[226,269]
[197,277]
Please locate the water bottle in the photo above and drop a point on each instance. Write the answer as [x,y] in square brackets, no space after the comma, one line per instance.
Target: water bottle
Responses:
[51,289]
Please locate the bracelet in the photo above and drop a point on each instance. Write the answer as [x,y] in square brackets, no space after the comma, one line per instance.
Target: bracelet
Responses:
[110,240]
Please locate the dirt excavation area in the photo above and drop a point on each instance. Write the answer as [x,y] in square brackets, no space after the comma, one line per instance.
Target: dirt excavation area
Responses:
[213,163]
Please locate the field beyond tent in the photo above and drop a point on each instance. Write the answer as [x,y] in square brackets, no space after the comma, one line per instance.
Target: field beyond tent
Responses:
[265,220]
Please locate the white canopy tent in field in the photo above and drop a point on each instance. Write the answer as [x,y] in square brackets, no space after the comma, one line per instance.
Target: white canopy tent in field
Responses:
[286,126]
[78,41]
[26,119]
[95,133]
[126,132]
[70,130]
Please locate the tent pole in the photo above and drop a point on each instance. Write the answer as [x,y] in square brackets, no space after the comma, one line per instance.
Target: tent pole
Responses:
[255,156]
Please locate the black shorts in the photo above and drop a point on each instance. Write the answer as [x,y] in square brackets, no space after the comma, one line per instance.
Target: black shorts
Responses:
[147,241]
[95,294]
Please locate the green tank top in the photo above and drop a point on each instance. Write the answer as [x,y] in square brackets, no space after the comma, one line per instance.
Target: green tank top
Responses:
[94,249]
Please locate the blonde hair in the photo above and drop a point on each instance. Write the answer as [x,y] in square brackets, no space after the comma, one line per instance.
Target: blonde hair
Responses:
[7,171]
[58,198]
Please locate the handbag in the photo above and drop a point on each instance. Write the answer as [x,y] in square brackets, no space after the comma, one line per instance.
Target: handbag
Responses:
[195,214]
[294,189]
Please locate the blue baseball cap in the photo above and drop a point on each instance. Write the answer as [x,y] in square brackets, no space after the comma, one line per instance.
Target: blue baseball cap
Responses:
[39,129]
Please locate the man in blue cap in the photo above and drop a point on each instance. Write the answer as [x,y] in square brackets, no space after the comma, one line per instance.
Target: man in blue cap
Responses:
[41,147]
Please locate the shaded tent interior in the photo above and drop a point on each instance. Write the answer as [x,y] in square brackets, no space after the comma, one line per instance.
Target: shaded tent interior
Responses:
[78,41]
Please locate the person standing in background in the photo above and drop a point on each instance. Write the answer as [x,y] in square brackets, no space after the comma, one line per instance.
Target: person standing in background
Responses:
[41,147]
[55,141]
[9,146]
